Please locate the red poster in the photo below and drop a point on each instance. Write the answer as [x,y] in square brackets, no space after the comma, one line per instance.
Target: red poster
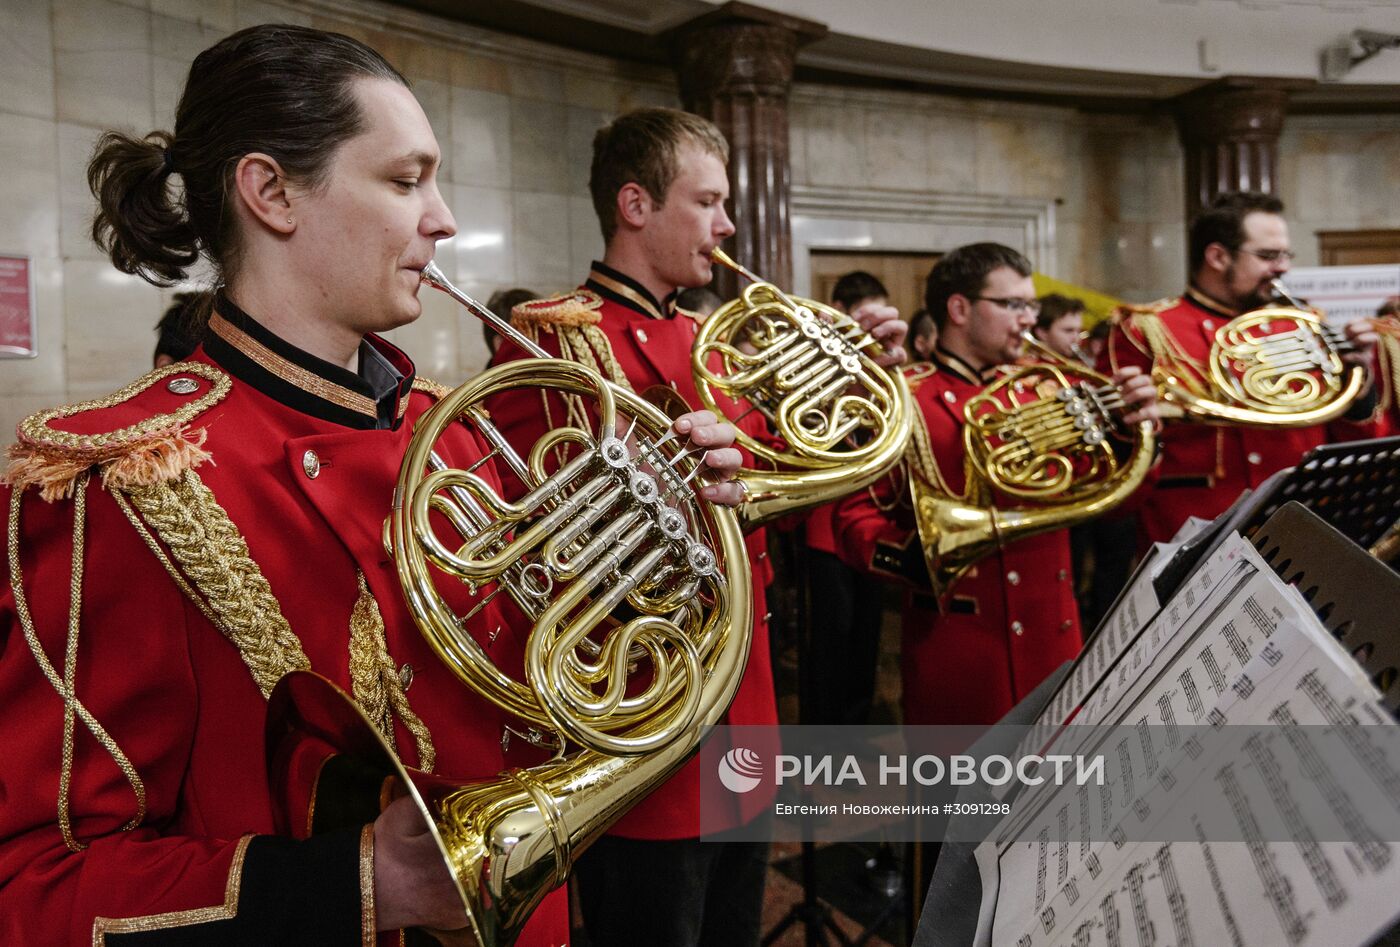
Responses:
[16,308]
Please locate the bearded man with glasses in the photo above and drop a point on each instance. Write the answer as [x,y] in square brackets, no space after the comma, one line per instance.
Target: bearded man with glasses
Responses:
[1012,619]
[1237,248]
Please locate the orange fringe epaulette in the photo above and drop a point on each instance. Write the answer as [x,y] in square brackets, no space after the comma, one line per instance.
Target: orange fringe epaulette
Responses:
[156,449]
[577,308]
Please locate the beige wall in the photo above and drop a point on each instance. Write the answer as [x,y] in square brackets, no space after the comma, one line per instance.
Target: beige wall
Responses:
[1339,172]
[515,120]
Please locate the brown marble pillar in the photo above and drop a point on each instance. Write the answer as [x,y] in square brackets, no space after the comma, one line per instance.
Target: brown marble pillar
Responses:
[735,68]
[1229,132]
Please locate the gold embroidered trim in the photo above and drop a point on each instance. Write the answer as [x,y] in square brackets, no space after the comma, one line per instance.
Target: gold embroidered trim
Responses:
[368,921]
[70,664]
[209,549]
[375,682]
[577,308]
[919,457]
[155,448]
[102,926]
[622,289]
[71,705]
[433,389]
[290,373]
[1169,359]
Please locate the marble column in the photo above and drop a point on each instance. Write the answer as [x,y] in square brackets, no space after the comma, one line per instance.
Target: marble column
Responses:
[1229,132]
[735,68]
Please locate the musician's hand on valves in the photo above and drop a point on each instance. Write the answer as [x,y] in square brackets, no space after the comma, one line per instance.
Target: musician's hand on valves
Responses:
[412,887]
[886,327]
[721,460]
[1139,396]
[1362,335]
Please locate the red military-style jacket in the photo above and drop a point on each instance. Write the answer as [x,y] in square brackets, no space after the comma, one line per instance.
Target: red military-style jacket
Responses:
[1204,468]
[649,343]
[1010,621]
[1388,375]
[264,476]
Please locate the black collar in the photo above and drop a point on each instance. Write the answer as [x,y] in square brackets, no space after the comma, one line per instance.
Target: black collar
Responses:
[625,291]
[948,362]
[375,397]
[1202,301]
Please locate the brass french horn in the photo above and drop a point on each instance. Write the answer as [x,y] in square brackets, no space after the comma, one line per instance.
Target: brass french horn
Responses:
[1033,464]
[810,370]
[614,529]
[1278,366]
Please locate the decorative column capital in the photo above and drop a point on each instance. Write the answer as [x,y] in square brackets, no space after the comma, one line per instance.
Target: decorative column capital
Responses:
[1233,108]
[1229,131]
[739,49]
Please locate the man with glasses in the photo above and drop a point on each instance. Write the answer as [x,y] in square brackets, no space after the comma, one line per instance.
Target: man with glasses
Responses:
[1012,619]
[1237,248]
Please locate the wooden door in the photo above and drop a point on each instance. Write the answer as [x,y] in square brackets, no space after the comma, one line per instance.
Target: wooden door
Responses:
[903,274]
[1358,247]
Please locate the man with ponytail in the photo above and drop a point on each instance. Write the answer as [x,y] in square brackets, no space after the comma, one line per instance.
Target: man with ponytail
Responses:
[176,547]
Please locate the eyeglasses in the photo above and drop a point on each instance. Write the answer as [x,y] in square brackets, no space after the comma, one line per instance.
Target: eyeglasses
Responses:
[1018,306]
[1270,256]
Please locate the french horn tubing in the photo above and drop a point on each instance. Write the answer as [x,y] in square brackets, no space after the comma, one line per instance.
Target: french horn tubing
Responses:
[1277,366]
[1039,457]
[637,592]
[810,370]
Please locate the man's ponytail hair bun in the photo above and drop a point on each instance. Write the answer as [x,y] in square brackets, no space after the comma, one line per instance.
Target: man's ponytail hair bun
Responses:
[140,222]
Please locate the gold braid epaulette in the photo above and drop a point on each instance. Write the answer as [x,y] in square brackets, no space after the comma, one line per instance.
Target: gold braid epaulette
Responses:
[1128,310]
[577,308]
[154,449]
[1141,326]
[433,389]
[212,553]
[917,373]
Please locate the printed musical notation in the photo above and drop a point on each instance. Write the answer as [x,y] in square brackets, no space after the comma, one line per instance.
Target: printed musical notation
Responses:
[1229,737]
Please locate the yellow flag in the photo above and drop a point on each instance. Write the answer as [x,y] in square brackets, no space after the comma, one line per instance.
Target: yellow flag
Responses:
[1097,306]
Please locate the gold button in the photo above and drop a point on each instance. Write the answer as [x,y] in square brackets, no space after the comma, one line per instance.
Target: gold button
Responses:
[1064,574]
[763,555]
[766,616]
[1207,325]
[311,464]
[949,397]
[183,386]
[1066,625]
[641,335]
[1018,628]
[1013,577]
[406,676]
[1254,457]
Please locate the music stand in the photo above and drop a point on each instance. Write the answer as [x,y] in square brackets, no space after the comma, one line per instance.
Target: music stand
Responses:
[1354,594]
[812,912]
[1354,486]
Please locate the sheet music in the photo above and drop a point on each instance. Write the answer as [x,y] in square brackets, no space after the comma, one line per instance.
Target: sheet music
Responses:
[1088,866]
[1135,630]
